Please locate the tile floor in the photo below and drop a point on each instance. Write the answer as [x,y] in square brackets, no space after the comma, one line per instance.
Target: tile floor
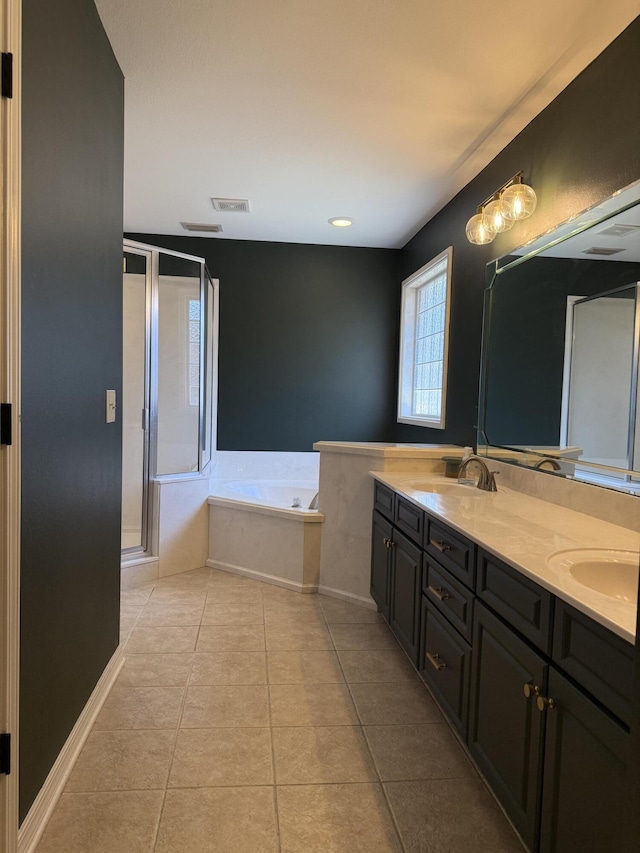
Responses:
[251,719]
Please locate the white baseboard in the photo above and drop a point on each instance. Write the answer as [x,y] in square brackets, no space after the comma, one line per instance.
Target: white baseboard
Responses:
[360,600]
[263,577]
[36,820]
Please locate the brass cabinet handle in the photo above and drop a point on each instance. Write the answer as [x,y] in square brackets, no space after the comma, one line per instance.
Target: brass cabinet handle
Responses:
[391,544]
[388,543]
[435,661]
[545,704]
[441,545]
[439,593]
[531,690]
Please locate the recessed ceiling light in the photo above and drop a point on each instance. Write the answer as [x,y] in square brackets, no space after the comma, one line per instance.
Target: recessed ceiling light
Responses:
[341,222]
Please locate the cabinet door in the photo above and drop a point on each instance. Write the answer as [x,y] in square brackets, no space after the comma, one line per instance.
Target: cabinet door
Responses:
[404,619]
[445,659]
[382,532]
[506,728]
[585,776]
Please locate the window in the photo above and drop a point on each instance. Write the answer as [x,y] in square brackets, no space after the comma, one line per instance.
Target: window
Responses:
[424,344]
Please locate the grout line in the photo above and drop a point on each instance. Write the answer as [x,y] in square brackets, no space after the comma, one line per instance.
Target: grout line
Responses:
[273,753]
[175,743]
[371,755]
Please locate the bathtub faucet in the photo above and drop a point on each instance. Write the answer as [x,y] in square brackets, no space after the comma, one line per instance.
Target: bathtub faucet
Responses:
[314,501]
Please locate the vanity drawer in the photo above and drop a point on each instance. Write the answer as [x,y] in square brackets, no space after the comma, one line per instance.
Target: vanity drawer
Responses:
[410,519]
[599,660]
[383,500]
[445,665]
[524,604]
[456,554]
[451,598]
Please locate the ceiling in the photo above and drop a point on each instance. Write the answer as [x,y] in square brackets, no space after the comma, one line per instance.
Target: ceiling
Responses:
[372,109]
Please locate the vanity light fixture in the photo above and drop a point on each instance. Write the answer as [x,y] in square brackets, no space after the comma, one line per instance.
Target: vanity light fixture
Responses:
[499,212]
[341,221]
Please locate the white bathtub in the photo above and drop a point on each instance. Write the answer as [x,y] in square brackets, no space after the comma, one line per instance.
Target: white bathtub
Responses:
[291,494]
[264,529]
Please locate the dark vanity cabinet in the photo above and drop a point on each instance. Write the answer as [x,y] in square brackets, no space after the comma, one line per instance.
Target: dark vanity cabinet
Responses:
[381,535]
[404,599]
[585,776]
[396,568]
[506,732]
[539,692]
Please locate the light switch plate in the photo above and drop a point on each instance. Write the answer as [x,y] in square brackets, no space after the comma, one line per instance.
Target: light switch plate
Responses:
[110,406]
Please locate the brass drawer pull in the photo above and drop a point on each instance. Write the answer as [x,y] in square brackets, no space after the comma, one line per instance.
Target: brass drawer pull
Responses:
[435,661]
[388,543]
[439,593]
[441,545]
[531,690]
[545,704]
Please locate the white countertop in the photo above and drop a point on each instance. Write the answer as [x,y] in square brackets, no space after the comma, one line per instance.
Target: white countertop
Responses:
[388,450]
[523,531]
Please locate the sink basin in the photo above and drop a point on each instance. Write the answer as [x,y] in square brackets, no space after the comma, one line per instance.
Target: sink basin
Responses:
[438,487]
[611,572]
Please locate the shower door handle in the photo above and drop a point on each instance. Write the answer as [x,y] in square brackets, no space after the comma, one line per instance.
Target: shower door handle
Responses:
[145,419]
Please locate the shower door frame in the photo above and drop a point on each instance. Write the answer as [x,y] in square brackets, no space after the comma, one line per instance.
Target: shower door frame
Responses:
[10,467]
[145,414]
[150,535]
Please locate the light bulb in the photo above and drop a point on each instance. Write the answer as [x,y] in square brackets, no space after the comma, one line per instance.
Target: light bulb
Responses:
[341,222]
[518,201]
[496,221]
[477,231]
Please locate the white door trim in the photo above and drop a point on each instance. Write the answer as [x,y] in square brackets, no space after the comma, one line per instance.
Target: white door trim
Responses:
[10,237]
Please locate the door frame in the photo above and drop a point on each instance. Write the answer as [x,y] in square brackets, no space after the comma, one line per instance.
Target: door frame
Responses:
[10,251]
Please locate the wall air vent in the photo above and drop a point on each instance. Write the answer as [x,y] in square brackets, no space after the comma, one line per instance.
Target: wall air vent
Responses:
[231,205]
[197,226]
[620,230]
[602,251]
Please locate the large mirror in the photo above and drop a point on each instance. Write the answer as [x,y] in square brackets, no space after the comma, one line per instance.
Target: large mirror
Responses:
[559,385]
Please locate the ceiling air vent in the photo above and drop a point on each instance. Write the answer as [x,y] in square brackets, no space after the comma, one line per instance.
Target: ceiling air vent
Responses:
[601,250]
[231,205]
[620,230]
[197,226]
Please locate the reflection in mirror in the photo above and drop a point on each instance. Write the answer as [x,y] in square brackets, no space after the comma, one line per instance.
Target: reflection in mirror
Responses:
[560,367]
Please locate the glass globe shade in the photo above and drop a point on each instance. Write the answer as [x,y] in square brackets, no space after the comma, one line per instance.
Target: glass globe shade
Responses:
[518,201]
[477,231]
[496,221]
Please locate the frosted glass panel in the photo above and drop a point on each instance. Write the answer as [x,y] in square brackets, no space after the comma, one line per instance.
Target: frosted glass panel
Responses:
[179,330]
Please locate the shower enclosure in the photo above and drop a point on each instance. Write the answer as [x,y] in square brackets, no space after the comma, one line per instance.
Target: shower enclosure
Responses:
[170,315]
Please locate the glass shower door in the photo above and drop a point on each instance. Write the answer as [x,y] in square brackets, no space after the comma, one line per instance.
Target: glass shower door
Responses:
[179,346]
[135,295]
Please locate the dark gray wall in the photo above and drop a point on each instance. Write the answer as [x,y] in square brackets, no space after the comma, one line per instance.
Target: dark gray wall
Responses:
[72,319]
[580,149]
[307,341]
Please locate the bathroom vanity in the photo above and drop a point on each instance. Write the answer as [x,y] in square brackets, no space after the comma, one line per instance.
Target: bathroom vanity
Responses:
[532,667]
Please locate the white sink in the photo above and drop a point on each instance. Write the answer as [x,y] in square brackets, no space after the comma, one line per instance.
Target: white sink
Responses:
[440,487]
[612,572]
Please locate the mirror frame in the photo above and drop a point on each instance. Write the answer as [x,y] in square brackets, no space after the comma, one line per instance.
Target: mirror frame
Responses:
[615,204]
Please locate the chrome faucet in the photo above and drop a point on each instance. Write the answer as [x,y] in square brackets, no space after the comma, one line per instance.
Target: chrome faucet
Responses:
[486,480]
[314,501]
[555,466]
